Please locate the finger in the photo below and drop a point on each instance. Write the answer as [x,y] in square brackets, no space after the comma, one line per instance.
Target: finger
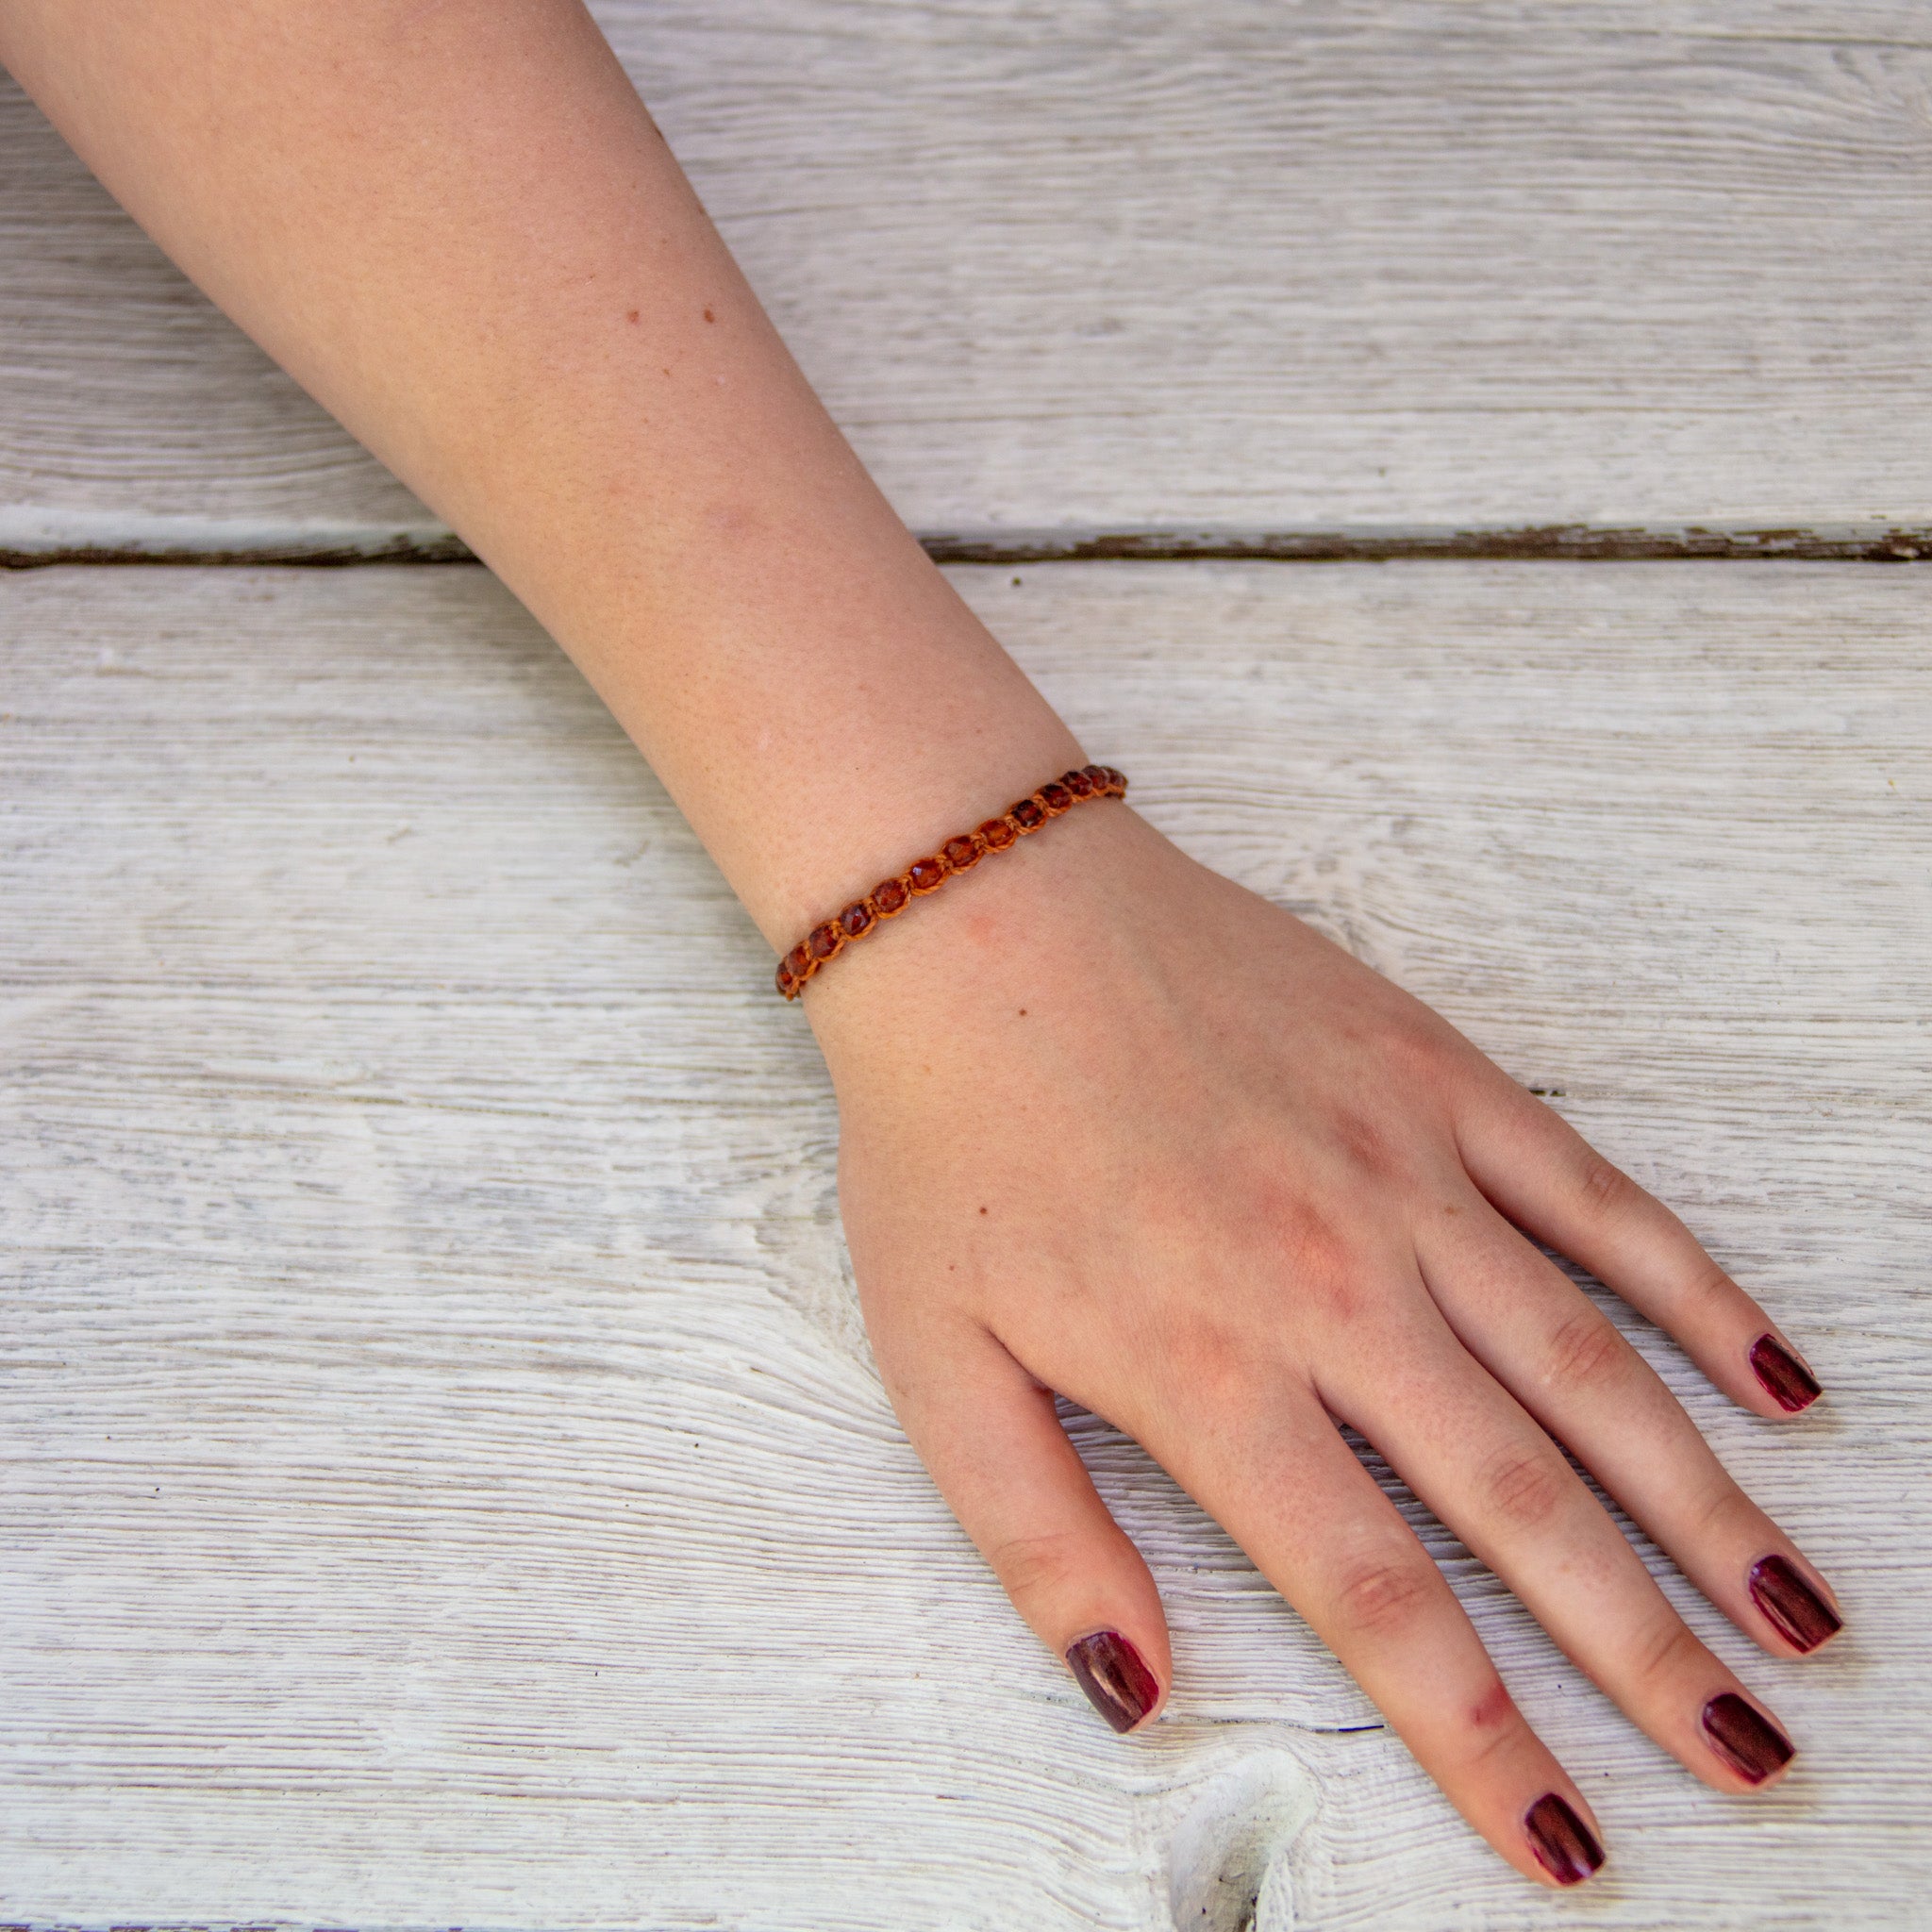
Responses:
[988,1432]
[1284,1483]
[1546,1177]
[1549,1344]
[1468,1449]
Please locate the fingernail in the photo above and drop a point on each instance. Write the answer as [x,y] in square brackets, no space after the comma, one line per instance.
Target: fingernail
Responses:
[1790,1384]
[1803,1619]
[1745,1739]
[1561,1841]
[1119,1686]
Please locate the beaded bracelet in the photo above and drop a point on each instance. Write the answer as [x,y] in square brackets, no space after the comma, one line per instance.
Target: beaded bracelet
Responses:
[891,897]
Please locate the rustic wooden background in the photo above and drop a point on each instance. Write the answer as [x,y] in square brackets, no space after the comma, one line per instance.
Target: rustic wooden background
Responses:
[445,1480]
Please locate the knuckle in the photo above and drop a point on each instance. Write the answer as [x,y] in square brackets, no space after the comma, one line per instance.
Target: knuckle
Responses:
[1495,1727]
[1422,1048]
[1367,1146]
[1585,1352]
[1387,1596]
[1338,1293]
[1527,1487]
[1209,1366]
[1665,1650]
[1605,1188]
[1710,1292]
[1723,1515]
[1313,1253]
[1031,1566]
[1309,1240]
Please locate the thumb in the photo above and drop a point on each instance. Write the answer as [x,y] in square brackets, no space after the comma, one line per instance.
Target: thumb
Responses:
[988,1432]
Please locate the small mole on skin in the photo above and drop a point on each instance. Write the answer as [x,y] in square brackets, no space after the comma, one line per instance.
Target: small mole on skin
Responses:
[632,316]
[982,1210]
[709,316]
[1023,1012]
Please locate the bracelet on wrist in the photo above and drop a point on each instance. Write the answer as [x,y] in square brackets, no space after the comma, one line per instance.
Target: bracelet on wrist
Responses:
[892,896]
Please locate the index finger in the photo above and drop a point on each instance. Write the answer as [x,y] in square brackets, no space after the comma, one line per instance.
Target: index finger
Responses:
[1535,1167]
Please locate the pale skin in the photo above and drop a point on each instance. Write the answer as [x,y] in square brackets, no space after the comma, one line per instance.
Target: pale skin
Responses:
[1111,1126]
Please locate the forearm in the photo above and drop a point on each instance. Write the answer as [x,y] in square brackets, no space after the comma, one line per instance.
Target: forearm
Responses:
[458,228]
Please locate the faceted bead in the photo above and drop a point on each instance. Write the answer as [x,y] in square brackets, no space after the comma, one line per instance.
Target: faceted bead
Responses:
[927,875]
[1029,814]
[856,919]
[1078,783]
[1099,777]
[890,897]
[786,979]
[823,940]
[1056,798]
[962,854]
[996,835]
[1117,779]
[800,961]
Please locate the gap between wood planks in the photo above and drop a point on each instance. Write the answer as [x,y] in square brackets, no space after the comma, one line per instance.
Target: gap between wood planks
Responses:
[1555,542]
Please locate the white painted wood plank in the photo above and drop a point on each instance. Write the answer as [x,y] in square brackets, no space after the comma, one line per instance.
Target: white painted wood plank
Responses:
[1201,270]
[445,1483]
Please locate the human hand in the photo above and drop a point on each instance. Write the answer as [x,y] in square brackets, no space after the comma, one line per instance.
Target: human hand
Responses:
[1115,1127]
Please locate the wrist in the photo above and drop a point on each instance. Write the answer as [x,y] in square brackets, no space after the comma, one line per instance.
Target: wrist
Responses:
[866,760]
[951,858]
[1043,925]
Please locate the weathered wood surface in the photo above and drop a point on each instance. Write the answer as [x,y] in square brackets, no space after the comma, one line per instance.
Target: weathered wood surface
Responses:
[1189,273]
[445,1483]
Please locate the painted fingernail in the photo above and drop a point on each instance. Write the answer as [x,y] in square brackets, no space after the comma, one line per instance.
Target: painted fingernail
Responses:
[1803,1619]
[1789,1382]
[1119,1686]
[1561,1841]
[1745,1739]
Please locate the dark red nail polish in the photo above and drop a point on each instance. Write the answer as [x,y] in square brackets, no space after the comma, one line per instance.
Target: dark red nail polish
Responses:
[1119,1686]
[1803,1619]
[1790,1384]
[1745,1739]
[1561,1841]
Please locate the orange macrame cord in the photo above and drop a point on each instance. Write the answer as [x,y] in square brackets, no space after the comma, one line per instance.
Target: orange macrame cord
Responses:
[891,897]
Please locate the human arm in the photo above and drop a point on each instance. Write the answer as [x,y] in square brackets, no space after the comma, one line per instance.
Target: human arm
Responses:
[822,709]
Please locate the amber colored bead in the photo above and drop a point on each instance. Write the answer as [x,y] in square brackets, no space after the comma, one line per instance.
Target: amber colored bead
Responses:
[962,852]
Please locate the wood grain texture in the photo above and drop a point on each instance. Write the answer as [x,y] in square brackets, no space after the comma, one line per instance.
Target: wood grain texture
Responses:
[1182,274]
[445,1480]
